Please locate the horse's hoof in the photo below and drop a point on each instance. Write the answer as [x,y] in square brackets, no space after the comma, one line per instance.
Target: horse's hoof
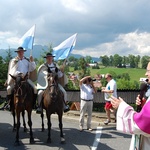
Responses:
[16,143]
[49,141]
[42,129]
[62,141]
[32,141]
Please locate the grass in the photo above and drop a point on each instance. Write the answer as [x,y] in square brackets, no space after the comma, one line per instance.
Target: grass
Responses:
[135,74]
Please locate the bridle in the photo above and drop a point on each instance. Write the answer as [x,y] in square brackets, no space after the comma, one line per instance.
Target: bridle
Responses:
[18,91]
[52,83]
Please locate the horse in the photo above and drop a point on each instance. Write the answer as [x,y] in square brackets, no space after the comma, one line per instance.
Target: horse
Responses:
[12,109]
[22,100]
[52,102]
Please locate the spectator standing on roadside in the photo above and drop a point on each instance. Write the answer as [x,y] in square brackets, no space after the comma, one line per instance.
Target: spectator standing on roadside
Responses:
[86,94]
[109,90]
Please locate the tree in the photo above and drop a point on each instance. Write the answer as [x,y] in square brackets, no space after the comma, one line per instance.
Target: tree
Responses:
[9,56]
[132,61]
[111,58]
[117,60]
[72,59]
[137,60]
[4,67]
[3,74]
[144,61]
[124,76]
[105,60]
[88,59]
[83,67]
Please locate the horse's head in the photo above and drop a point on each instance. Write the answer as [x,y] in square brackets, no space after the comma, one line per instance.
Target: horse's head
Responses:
[19,80]
[52,78]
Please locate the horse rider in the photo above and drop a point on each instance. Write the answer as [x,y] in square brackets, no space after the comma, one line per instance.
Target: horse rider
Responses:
[42,84]
[17,65]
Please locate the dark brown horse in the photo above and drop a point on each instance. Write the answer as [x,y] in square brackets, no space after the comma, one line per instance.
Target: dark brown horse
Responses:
[12,109]
[22,100]
[52,102]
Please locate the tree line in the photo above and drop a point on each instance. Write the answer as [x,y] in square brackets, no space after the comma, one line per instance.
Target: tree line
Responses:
[123,61]
[80,65]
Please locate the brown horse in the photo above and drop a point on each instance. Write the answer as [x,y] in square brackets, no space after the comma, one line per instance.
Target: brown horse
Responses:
[22,100]
[52,102]
[12,109]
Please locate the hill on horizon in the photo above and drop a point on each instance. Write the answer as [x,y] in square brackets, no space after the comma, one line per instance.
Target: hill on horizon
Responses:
[37,51]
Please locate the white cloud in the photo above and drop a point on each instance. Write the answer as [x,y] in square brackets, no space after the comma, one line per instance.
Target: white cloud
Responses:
[75,5]
[104,27]
[135,43]
[8,39]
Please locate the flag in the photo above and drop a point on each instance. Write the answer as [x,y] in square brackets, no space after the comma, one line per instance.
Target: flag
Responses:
[63,50]
[28,38]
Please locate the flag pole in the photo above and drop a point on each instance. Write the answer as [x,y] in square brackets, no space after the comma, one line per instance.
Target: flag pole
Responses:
[32,42]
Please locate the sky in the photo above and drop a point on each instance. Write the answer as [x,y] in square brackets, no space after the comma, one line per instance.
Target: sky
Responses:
[103,27]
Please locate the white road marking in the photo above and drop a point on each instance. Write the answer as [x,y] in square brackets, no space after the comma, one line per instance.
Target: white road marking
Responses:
[97,138]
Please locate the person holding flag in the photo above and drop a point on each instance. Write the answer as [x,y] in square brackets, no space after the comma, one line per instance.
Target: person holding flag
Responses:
[42,84]
[20,64]
[60,52]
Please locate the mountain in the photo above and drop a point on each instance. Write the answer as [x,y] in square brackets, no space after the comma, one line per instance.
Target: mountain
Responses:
[37,51]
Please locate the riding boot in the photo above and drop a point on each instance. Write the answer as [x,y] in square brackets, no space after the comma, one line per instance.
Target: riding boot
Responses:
[34,101]
[66,107]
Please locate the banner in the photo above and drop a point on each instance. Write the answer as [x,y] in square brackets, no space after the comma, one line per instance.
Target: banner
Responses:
[28,38]
[63,50]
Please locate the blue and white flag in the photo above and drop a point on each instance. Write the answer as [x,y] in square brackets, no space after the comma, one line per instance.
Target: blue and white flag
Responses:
[63,50]
[28,38]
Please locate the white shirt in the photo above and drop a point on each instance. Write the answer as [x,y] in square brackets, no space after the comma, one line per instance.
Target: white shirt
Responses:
[86,92]
[24,66]
[111,85]
[52,67]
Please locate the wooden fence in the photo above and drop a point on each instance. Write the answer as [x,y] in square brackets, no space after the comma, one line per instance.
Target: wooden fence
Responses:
[128,95]
[74,95]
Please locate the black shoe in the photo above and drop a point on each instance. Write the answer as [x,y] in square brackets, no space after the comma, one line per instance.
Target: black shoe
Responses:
[66,109]
[35,107]
[39,110]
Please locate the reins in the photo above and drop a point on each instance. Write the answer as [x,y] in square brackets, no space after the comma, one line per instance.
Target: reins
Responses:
[53,84]
[21,91]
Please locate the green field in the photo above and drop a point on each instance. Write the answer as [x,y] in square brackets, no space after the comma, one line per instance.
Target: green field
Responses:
[135,74]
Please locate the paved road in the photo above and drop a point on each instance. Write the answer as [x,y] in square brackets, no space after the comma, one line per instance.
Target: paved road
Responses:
[101,138]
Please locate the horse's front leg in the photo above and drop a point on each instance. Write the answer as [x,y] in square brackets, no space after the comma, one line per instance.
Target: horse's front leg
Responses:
[14,120]
[61,128]
[17,131]
[24,123]
[49,126]
[30,125]
[42,117]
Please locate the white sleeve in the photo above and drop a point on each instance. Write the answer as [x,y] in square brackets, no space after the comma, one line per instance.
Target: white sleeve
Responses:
[32,66]
[125,122]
